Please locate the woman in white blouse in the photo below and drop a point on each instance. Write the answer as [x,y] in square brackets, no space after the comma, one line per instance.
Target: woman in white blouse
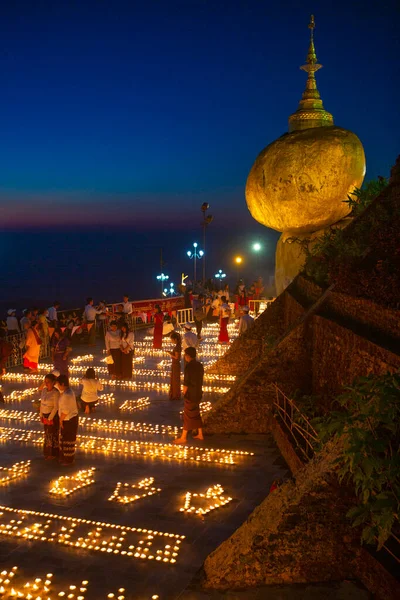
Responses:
[113,347]
[127,340]
[49,416]
[68,414]
[90,387]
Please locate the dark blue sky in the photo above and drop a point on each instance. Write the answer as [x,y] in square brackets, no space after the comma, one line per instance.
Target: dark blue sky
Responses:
[134,113]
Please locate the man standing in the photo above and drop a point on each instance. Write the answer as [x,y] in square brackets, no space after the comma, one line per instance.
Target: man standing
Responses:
[189,339]
[25,322]
[90,318]
[246,321]
[53,318]
[198,313]
[192,393]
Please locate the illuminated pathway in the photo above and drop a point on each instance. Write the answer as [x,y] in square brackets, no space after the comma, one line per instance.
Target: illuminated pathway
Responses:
[135,516]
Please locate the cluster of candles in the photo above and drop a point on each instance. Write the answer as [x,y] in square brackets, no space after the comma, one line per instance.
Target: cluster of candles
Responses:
[84,358]
[114,425]
[213,497]
[68,484]
[110,538]
[19,395]
[107,398]
[16,471]
[144,487]
[46,588]
[134,404]
[134,447]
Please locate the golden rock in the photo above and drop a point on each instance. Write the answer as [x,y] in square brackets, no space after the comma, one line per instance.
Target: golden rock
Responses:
[298,183]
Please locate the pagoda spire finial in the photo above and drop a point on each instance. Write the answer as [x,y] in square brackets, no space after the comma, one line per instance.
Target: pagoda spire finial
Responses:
[311,112]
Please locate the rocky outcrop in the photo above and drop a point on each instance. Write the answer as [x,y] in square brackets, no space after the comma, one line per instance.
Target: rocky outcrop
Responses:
[296,535]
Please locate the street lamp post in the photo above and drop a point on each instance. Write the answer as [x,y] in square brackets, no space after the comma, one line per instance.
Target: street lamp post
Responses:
[220,276]
[162,277]
[195,255]
[170,291]
[207,219]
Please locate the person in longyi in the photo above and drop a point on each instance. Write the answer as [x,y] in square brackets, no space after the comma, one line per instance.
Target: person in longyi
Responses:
[192,393]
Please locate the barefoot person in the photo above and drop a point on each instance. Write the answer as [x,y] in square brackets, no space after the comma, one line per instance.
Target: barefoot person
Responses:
[192,393]
[49,416]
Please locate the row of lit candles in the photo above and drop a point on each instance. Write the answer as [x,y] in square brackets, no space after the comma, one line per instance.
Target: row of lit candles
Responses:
[17,470]
[113,425]
[110,538]
[134,447]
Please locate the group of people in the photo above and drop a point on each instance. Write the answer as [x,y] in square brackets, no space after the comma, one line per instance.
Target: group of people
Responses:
[59,413]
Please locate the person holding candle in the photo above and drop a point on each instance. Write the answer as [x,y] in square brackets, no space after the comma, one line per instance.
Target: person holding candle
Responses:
[192,393]
[175,384]
[68,414]
[49,416]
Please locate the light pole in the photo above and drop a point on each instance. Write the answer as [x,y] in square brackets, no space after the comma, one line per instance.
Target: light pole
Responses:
[220,276]
[162,277]
[170,291]
[207,219]
[195,255]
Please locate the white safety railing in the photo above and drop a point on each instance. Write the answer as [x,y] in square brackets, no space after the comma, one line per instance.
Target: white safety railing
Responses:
[184,315]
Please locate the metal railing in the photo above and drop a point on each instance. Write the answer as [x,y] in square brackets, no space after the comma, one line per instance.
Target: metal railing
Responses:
[296,424]
[16,357]
[306,439]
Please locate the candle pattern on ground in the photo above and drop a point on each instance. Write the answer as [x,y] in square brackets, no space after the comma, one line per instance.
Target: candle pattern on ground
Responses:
[16,471]
[126,493]
[68,484]
[135,404]
[209,501]
[179,453]
[96,536]
[46,587]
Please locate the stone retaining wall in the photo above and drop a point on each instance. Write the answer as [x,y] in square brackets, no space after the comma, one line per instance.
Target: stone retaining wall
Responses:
[339,355]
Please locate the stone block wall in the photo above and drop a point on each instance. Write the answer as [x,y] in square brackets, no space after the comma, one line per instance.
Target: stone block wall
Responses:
[339,356]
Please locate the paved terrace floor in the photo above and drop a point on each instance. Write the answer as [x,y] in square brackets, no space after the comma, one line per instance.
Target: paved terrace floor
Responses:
[123,536]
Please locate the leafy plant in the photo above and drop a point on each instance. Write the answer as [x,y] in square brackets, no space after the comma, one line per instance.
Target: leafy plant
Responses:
[369,425]
[360,198]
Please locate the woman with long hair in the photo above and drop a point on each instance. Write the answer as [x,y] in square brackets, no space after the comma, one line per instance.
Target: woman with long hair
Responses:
[32,343]
[68,414]
[90,386]
[158,327]
[126,345]
[49,416]
[175,384]
[113,342]
[60,350]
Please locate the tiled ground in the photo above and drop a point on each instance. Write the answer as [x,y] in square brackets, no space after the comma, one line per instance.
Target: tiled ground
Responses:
[247,482]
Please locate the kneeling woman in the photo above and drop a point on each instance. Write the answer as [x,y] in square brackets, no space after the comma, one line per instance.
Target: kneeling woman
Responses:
[90,387]
[49,416]
[68,414]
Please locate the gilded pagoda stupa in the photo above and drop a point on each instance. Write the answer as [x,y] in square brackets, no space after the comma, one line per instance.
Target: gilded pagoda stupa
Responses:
[299,182]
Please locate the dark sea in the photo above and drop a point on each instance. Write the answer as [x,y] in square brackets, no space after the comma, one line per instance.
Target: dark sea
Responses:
[40,266]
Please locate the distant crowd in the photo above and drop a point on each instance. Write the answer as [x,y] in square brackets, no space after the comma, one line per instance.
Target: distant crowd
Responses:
[59,405]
